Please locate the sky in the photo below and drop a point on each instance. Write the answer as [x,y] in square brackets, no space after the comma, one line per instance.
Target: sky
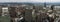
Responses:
[29,0]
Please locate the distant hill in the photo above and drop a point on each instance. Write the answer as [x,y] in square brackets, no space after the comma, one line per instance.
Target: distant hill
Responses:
[29,3]
[52,3]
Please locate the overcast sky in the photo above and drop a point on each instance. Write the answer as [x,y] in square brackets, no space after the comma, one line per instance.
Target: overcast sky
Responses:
[29,0]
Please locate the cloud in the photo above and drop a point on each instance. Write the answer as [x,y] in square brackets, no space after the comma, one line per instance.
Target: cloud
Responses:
[52,0]
[29,0]
[14,0]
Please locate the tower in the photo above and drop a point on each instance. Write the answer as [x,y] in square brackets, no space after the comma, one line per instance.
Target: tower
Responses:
[45,4]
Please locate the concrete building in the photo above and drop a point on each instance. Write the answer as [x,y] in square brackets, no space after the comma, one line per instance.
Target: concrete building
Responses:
[0,10]
[56,7]
[4,11]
